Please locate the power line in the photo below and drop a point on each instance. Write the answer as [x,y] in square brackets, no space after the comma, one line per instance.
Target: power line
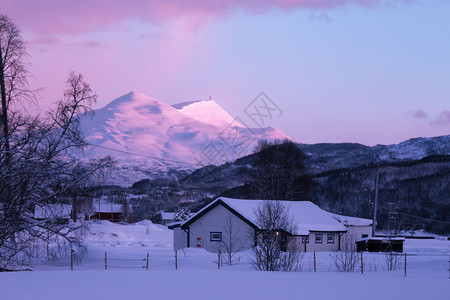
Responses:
[413,216]
[148,156]
[428,219]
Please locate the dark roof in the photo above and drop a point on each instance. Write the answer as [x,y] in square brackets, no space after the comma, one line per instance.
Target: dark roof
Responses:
[210,207]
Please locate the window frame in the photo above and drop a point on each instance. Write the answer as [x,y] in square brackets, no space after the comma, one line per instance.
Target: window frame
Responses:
[211,239]
[332,238]
[318,238]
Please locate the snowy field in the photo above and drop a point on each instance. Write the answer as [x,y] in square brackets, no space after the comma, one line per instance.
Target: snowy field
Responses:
[197,276]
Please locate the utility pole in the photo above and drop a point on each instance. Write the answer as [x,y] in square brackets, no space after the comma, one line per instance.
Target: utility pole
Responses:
[125,207]
[374,223]
[392,215]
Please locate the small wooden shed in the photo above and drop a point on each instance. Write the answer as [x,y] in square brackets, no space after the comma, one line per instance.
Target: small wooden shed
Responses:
[163,218]
[380,244]
[110,212]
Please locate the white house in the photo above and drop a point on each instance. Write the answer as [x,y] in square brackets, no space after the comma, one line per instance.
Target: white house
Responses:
[53,211]
[357,228]
[317,229]
[163,217]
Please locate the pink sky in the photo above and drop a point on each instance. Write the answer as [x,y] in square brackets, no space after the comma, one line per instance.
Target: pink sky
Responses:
[362,71]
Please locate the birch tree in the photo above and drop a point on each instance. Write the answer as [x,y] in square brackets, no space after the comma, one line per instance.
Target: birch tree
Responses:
[39,156]
[233,241]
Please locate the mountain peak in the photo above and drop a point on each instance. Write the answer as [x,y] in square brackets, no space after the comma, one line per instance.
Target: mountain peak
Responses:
[181,105]
[178,135]
[131,97]
[206,111]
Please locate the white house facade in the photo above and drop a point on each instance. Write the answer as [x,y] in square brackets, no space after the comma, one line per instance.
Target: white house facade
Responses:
[215,224]
[357,228]
[233,222]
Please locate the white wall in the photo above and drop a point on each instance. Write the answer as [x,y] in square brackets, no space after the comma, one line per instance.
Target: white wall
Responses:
[357,231]
[220,219]
[179,238]
[324,246]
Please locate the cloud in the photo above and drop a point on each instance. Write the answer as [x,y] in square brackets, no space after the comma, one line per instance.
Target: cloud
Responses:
[81,16]
[45,41]
[90,44]
[419,114]
[154,35]
[443,119]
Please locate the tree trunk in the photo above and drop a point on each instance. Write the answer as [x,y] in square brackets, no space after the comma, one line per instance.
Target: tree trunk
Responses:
[4,103]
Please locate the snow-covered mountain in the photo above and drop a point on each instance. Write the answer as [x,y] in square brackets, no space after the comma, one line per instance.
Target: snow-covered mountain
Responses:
[135,129]
[327,156]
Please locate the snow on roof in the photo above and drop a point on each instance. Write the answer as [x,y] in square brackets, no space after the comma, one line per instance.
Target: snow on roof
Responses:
[53,211]
[175,224]
[108,208]
[307,215]
[383,239]
[352,221]
[168,215]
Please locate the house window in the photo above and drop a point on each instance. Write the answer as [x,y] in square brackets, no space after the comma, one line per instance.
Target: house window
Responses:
[319,238]
[330,238]
[305,239]
[215,236]
[365,236]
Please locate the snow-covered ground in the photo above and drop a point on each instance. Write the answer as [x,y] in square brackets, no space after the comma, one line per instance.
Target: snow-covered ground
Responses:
[197,276]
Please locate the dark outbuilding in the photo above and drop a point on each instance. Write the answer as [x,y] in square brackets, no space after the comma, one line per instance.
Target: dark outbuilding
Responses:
[379,244]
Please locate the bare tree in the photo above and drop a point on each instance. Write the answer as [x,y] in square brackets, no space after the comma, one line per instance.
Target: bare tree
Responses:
[275,250]
[41,164]
[346,259]
[392,260]
[13,73]
[278,172]
[233,241]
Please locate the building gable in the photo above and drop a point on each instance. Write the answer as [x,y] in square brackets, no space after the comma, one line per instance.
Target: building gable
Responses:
[211,206]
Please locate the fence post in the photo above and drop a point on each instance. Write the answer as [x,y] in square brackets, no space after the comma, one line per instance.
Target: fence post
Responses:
[259,259]
[71,258]
[405,263]
[315,268]
[362,264]
[146,267]
[176,260]
[218,261]
[106,261]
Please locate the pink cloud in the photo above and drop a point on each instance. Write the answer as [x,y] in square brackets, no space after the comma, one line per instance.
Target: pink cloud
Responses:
[81,16]
[91,44]
[45,41]
[150,36]
[443,118]
[419,114]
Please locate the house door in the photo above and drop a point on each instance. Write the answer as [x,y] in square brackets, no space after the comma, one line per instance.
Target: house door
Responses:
[283,242]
